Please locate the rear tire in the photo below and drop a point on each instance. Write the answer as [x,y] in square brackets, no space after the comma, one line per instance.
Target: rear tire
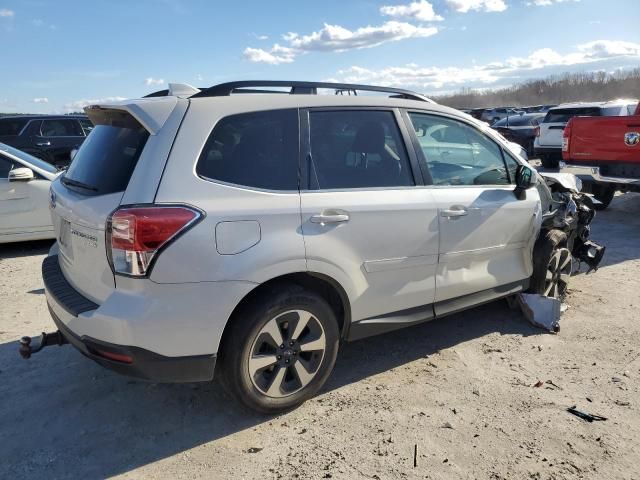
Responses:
[604,194]
[552,265]
[549,161]
[272,362]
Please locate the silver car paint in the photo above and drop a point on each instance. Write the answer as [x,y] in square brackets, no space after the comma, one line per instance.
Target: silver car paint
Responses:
[386,258]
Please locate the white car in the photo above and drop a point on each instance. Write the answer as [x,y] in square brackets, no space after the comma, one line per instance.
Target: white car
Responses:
[24,196]
[248,235]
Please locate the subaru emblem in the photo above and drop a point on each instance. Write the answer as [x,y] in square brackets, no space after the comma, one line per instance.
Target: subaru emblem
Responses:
[632,138]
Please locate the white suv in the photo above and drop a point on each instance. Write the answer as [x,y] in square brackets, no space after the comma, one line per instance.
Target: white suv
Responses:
[251,233]
[548,142]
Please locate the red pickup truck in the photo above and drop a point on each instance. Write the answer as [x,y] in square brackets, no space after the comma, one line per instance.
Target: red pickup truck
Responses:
[604,152]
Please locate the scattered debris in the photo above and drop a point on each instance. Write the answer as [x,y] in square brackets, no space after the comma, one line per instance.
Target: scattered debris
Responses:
[539,383]
[589,400]
[585,416]
[254,450]
[415,455]
[622,403]
[549,382]
[476,391]
[616,379]
[447,425]
[541,311]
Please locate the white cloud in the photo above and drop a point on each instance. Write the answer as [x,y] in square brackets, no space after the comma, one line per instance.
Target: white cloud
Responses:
[422,78]
[78,105]
[41,100]
[421,10]
[6,13]
[334,38]
[546,3]
[464,6]
[150,81]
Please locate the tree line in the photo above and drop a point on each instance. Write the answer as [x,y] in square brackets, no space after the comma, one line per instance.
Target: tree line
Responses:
[567,87]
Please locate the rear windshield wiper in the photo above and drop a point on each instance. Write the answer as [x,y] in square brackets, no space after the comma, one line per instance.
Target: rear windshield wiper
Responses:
[75,183]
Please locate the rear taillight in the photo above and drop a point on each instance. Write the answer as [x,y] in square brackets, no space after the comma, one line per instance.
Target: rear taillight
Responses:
[135,235]
[566,135]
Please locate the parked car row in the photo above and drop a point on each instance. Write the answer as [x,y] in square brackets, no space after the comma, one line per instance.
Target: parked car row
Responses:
[51,138]
[548,142]
[495,114]
[521,129]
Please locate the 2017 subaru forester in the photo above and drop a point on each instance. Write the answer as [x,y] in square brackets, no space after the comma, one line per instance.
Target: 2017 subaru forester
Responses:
[249,231]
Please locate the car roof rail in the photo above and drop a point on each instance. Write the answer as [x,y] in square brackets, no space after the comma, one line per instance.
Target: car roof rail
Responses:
[302,88]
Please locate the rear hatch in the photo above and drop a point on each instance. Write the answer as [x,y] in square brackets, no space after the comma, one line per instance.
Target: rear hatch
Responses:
[83,198]
[553,124]
[605,139]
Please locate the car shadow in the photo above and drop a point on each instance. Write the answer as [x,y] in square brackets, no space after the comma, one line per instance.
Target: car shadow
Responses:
[24,249]
[72,416]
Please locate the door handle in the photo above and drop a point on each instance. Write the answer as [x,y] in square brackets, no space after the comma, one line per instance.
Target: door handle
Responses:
[43,144]
[454,212]
[324,218]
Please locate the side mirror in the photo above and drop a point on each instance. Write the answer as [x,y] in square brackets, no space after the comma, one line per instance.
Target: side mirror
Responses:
[525,179]
[21,175]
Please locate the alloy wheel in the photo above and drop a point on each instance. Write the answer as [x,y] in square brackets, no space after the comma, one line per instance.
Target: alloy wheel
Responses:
[287,353]
[558,272]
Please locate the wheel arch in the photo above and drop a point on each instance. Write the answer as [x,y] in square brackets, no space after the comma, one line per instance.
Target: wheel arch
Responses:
[329,288]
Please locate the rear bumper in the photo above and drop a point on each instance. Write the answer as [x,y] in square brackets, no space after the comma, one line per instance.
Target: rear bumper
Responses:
[135,361]
[592,173]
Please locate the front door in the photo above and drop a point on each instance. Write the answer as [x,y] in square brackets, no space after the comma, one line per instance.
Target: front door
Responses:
[486,233]
[367,221]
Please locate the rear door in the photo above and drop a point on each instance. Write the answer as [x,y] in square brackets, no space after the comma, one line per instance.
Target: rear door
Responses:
[58,137]
[486,233]
[366,219]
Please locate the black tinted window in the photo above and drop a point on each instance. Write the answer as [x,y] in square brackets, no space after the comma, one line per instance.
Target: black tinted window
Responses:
[458,154]
[60,128]
[12,126]
[563,115]
[257,150]
[357,149]
[106,159]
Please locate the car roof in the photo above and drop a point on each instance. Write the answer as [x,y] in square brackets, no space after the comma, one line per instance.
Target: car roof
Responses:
[610,103]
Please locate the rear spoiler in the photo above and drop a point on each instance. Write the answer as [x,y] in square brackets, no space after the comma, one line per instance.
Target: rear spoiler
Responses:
[151,113]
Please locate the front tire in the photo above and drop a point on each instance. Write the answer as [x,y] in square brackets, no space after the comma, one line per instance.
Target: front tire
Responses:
[552,265]
[280,349]
[604,194]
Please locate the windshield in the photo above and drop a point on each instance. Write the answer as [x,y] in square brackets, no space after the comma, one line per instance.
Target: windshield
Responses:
[36,162]
[106,160]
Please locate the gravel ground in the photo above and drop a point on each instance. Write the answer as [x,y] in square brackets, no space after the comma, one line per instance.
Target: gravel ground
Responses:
[458,391]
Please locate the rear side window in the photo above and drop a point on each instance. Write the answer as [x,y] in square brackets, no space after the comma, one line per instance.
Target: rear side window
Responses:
[86,125]
[12,126]
[60,128]
[106,160]
[357,149]
[563,115]
[258,150]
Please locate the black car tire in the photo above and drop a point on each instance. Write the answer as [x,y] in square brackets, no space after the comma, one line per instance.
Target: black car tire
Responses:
[549,161]
[544,249]
[604,194]
[245,331]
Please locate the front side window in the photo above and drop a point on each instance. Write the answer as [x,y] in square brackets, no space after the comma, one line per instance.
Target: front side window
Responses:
[357,149]
[60,128]
[258,150]
[457,154]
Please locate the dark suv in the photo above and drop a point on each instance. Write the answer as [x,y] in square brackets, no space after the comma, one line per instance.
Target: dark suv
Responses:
[49,137]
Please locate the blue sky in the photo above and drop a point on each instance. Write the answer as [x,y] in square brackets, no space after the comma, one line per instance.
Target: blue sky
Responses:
[59,55]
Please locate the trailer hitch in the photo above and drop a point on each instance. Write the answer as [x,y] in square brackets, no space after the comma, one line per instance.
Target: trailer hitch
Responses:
[44,340]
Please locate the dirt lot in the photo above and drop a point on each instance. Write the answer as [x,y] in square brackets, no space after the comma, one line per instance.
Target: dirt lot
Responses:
[460,389]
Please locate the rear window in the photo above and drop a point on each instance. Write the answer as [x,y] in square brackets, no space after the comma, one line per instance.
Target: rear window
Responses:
[106,160]
[12,126]
[563,115]
[258,150]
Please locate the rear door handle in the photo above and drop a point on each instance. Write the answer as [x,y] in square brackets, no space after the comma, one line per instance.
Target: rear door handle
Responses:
[454,212]
[330,217]
[43,144]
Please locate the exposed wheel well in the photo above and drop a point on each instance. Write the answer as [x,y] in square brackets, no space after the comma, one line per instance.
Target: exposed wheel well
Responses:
[325,286]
